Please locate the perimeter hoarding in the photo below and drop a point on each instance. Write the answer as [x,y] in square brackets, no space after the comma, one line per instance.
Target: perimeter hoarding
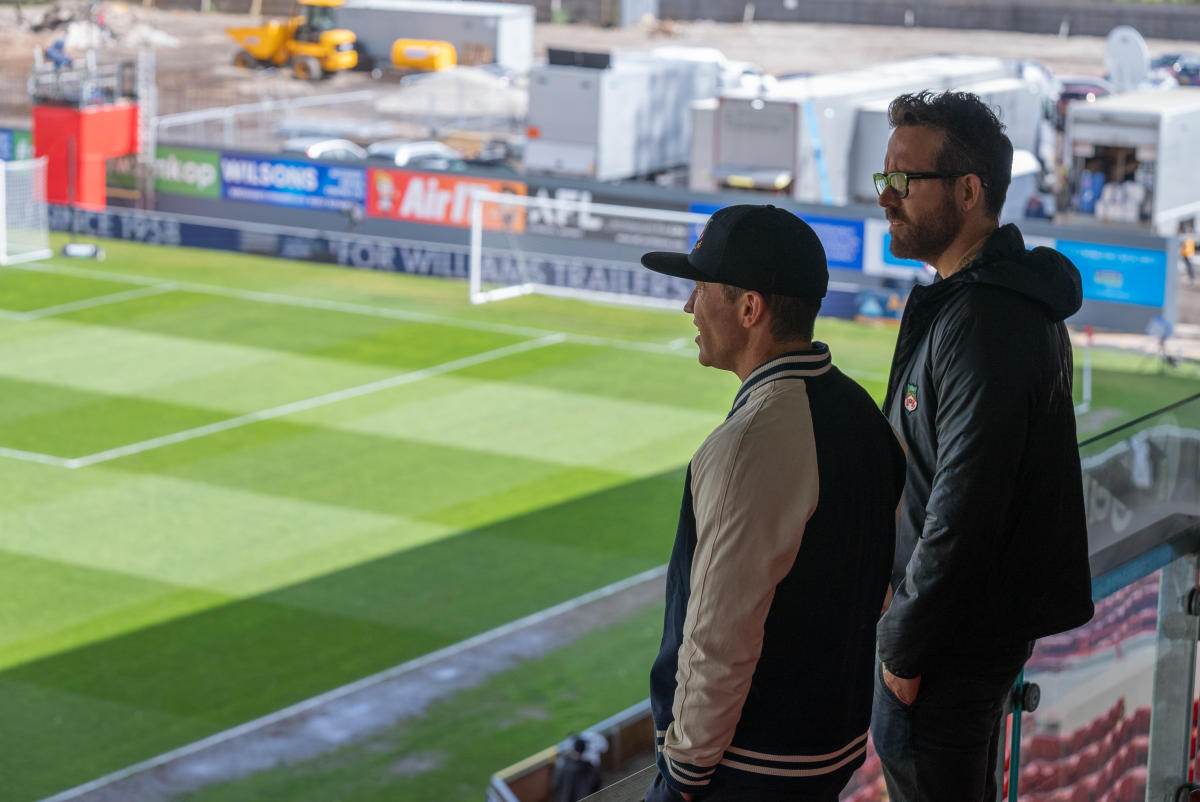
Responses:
[15,144]
[843,238]
[440,199]
[288,182]
[1118,273]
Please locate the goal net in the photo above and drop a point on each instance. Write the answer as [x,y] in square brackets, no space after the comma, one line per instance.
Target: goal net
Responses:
[24,220]
[572,248]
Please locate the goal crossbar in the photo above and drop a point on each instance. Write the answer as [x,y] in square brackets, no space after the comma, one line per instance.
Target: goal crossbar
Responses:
[481,198]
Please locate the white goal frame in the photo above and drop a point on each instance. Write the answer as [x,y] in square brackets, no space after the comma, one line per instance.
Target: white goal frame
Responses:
[29,216]
[479,295]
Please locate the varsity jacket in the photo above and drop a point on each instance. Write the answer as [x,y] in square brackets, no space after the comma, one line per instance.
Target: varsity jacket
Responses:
[774,586]
[992,541]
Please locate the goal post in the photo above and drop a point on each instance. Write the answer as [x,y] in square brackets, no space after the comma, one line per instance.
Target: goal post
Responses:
[24,216]
[522,244]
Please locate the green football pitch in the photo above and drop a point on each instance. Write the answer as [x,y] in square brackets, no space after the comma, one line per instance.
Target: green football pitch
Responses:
[232,483]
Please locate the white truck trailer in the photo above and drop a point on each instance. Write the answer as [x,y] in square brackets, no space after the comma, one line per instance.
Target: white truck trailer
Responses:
[613,116]
[819,138]
[1134,159]
[481,32]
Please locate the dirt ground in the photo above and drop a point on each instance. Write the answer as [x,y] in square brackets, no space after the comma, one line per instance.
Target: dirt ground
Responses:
[776,47]
[194,54]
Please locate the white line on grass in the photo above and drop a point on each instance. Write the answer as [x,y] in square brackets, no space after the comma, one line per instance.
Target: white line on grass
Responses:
[34,456]
[311,403]
[676,347]
[351,308]
[99,300]
[359,685]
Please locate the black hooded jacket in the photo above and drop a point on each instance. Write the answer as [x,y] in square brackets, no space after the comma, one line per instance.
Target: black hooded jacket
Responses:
[991,546]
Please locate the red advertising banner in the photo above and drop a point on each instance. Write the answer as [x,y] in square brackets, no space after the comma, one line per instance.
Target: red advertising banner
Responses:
[440,199]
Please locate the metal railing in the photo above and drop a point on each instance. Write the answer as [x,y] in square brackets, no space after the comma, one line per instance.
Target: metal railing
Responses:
[1110,707]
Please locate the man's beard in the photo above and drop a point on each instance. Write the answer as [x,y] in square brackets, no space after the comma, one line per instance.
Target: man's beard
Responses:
[928,238]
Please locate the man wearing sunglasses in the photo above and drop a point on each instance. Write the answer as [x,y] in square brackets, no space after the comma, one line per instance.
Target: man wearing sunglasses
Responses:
[991,545]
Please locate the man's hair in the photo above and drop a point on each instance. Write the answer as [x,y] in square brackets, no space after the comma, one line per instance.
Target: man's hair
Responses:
[579,745]
[792,318]
[973,138]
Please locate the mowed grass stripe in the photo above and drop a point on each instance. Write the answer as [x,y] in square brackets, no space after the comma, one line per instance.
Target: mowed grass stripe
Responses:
[321,333]
[305,404]
[217,376]
[202,673]
[305,462]
[68,423]
[513,311]
[23,291]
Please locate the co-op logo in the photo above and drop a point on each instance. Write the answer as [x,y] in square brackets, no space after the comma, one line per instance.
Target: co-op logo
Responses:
[200,175]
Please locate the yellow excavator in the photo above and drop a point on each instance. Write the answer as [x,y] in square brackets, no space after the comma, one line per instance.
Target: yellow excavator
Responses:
[308,41]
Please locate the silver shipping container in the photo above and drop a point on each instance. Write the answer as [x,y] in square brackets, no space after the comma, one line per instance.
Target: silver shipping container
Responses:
[806,134]
[1143,145]
[616,119]
[481,32]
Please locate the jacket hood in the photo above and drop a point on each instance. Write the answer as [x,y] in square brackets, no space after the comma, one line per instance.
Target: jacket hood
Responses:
[1042,274]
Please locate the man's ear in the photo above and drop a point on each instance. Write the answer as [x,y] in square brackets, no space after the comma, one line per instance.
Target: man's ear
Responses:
[752,309]
[970,192]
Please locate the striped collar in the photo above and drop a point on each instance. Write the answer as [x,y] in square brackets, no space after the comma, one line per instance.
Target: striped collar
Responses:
[792,365]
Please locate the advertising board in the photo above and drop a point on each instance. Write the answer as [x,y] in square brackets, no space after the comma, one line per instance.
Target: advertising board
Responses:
[15,144]
[439,199]
[288,182]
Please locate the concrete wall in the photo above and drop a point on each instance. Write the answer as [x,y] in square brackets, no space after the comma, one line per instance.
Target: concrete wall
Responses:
[1085,17]
[1155,20]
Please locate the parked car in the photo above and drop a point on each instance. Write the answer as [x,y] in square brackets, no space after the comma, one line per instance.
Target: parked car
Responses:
[1187,69]
[418,155]
[1084,88]
[318,147]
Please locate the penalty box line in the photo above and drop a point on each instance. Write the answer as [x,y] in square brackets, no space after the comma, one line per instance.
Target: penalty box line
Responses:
[677,347]
[280,411]
[89,303]
[353,308]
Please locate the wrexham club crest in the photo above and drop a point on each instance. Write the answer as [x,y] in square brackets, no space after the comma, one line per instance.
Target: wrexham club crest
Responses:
[910,397]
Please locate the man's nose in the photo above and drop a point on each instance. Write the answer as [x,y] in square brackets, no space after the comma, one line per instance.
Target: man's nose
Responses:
[690,305]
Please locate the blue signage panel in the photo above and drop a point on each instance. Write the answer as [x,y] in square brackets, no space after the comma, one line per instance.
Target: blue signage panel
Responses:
[842,238]
[6,145]
[896,261]
[285,182]
[843,241]
[1118,273]
[697,228]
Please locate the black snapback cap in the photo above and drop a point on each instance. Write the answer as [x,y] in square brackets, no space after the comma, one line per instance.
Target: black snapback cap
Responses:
[762,248]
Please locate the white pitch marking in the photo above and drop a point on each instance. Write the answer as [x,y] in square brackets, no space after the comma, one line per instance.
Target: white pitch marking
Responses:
[353,687]
[99,300]
[34,456]
[352,308]
[310,403]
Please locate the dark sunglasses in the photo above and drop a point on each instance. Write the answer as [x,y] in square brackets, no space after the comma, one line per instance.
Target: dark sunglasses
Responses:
[899,181]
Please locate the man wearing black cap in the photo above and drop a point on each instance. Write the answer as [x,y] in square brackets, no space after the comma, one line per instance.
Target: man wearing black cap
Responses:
[762,687]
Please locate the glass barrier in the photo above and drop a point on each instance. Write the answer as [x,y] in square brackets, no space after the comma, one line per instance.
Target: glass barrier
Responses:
[1107,712]
[1117,696]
